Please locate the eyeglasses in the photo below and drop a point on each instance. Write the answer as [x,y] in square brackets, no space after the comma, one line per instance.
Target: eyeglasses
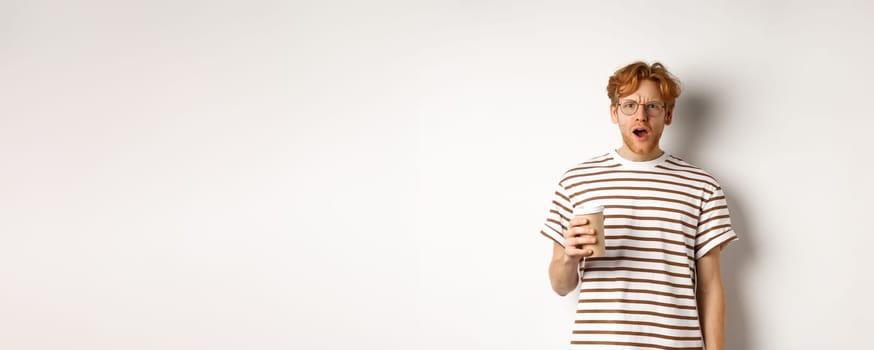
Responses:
[652,109]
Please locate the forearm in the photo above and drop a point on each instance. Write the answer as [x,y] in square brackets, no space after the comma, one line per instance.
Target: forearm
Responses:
[564,275]
[711,306]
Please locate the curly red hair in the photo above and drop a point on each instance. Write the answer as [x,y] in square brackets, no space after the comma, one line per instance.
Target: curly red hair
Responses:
[626,80]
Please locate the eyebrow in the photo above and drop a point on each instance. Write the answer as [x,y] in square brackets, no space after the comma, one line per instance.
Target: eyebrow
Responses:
[630,100]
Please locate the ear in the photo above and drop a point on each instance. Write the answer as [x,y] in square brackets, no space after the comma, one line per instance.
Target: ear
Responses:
[669,116]
[613,116]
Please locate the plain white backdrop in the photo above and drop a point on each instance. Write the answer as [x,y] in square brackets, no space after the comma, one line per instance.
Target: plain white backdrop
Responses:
[373,175]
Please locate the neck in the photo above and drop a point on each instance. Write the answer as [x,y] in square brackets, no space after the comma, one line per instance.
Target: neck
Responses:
[633,156]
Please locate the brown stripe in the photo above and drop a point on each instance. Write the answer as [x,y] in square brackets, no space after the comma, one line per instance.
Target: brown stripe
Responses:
[651,239]
[557,193]
[556,212]
[594,167]
[633,269]
[632,290]
[648,228]
[705,232]
[599,161]
[556,231]
[639,180]
[715,199]
[633,301]
[636,312]
[702,223]
[629,188]
[642,172]
[637,280]
[622,343]
[634,207]
[687,165]
[633,258]
[554,221]
[550,237]
[643,198]
[636,323]
[641,334]
[700,173]
[562,206]
[698,247]
[714,208]
[656,250]
[651,218]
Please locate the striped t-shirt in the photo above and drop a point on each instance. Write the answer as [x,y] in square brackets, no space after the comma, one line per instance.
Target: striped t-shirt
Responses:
[660,216]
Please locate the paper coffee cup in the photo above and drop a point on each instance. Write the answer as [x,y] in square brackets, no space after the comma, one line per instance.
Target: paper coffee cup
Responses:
[595,214]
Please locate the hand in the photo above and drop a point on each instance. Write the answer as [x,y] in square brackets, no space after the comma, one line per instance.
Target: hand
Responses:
[576,236]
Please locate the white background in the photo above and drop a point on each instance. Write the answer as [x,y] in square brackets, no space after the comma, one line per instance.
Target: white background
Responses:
[373,175]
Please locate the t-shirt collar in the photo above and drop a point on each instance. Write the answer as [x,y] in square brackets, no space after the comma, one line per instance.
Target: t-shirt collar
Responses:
[649,164]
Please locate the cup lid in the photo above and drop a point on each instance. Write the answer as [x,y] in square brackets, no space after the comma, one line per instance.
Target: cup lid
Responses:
[588,209]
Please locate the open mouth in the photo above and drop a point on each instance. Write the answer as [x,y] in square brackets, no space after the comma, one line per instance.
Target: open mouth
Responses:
[640,132]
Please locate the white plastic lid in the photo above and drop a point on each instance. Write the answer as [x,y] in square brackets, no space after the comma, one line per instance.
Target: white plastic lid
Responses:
[588,209]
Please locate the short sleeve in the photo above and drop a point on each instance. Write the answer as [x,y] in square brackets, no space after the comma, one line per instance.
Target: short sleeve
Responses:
[558,218]
[714,224]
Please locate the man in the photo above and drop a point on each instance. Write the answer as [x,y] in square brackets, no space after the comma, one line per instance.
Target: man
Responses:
[665,221]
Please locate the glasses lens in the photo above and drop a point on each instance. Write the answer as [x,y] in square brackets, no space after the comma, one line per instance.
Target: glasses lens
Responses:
[628,107]
[654,108]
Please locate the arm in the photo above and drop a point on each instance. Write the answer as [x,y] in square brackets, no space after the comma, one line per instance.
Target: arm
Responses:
[563,269]
[711,300]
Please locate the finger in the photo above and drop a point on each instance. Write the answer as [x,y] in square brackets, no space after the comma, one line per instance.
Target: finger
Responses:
[578,252]
[574,251]
[576,231]
[586,230]
[579,221]
[586,239]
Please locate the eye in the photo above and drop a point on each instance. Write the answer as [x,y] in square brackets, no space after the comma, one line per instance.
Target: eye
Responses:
[629,105]
[654,106]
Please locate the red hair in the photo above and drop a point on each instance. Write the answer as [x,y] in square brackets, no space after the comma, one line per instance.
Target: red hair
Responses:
[626,80]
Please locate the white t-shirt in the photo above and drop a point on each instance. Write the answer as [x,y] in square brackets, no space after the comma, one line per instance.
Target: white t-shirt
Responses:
[660,216]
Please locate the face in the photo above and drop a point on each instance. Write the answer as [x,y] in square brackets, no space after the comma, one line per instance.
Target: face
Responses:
[642,130]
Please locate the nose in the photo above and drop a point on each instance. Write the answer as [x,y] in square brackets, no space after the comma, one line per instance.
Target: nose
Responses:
[640,114]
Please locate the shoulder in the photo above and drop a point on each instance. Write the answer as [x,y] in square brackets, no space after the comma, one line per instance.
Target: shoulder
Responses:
[589,166]
[678,165]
